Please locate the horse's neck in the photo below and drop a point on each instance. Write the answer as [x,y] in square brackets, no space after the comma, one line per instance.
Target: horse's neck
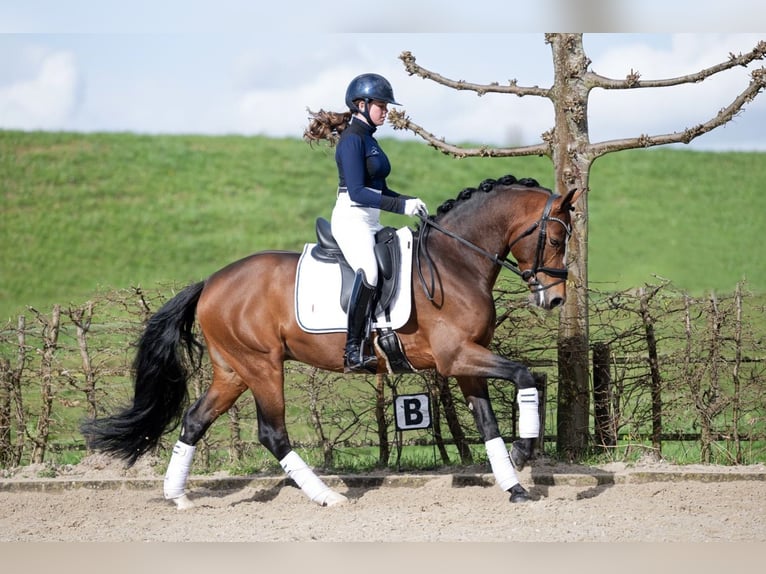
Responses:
[488,233]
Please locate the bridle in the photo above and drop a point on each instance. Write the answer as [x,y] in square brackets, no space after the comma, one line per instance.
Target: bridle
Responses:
[528,275]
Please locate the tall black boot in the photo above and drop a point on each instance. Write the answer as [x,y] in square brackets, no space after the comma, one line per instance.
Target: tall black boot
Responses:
[359,308]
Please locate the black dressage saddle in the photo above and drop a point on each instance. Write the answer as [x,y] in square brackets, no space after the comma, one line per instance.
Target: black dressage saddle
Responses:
[387,253]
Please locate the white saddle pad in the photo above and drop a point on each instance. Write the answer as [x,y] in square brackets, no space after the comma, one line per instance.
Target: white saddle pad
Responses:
[318,285]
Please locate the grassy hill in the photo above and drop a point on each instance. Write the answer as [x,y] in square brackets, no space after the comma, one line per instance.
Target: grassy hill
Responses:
[81,213]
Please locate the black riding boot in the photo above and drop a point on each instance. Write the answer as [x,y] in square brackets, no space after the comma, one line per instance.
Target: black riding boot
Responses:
[359,308]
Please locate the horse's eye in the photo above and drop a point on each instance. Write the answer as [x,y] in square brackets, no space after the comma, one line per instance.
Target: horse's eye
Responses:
[555,242]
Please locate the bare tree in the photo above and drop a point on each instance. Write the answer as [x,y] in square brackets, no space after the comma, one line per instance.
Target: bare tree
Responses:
[568,145]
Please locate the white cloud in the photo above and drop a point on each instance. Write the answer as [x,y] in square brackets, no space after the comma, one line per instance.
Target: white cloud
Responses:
[282,112]
[214,84]
[48,100]
[628,113]
[273,107]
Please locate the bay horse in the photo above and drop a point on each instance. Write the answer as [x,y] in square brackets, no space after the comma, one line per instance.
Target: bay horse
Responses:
[246,315]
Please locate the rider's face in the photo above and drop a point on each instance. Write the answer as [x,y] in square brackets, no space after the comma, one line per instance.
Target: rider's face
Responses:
[378,111]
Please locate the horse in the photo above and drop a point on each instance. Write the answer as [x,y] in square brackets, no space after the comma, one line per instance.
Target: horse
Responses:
[246,316]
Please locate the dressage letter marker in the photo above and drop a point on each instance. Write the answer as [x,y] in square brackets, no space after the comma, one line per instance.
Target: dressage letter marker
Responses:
[412,412]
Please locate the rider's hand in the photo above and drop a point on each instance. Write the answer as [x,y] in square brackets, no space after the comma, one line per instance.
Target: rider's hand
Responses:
[415,206]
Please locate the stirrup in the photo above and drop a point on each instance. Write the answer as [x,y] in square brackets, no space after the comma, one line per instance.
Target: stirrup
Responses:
[364,365]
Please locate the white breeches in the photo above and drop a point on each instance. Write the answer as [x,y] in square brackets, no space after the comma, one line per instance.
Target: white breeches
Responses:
[354,229]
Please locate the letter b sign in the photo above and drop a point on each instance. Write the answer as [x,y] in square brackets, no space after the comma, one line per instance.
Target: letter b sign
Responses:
[412,412]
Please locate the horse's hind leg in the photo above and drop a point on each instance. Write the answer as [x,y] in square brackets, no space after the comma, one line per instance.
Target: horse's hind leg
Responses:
[223,392]
[272,433]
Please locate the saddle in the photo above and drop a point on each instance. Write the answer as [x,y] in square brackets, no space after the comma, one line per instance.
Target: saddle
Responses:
[389,259]
[387,254]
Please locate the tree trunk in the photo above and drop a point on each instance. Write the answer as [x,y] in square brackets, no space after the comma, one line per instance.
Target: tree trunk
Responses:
[572,164]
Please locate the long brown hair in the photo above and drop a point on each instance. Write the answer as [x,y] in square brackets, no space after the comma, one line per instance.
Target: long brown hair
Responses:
[326,126]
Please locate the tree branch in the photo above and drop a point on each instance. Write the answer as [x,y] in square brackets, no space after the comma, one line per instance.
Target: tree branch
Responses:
[757,84]
[633,80]
[512,88]
[400,121]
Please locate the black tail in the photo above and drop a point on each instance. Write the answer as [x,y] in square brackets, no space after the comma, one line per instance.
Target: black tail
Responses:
[161,370]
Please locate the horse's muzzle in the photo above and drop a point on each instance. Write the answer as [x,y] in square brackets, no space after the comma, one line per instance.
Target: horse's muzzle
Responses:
[548,297]
[555,302]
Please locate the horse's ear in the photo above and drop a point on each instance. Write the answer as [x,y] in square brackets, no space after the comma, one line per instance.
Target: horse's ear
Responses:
[571,198]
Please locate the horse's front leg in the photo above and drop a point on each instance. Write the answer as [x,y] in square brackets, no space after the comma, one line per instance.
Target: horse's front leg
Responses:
[473,360]
[476,393]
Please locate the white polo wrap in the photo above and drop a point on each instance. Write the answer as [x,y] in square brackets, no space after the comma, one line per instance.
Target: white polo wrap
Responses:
[529,415]
[500,461]
[178,470]
[311,485]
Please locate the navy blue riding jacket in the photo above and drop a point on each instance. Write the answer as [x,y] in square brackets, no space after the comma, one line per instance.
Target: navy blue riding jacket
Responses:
[362,164]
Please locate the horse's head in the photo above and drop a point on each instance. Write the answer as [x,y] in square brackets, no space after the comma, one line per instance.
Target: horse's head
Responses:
[541,248]
[511,215]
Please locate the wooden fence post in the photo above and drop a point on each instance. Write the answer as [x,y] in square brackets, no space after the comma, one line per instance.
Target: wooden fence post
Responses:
[606,431]
[654,370]
[603,400]
[384,447]
[541,382]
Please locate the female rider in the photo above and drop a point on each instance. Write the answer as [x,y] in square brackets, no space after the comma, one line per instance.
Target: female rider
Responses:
[362,194]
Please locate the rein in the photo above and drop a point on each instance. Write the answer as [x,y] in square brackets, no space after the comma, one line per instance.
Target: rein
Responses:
[528,275]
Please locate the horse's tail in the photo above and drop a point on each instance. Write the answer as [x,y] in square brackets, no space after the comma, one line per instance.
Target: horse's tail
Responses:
[166,351]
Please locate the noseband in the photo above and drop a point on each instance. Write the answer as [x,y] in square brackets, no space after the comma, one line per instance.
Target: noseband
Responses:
[529,275]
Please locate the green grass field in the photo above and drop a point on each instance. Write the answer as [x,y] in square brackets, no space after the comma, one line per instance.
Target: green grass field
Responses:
[82,213]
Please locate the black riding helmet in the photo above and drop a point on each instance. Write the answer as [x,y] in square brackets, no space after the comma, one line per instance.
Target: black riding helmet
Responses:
[369,87]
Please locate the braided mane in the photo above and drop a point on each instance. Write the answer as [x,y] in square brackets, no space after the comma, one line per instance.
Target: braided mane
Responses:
[486,186]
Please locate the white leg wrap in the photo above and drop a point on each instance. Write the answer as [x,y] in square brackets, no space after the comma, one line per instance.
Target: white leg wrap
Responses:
[529,415]
[178,470]
[505,475]
[311,485]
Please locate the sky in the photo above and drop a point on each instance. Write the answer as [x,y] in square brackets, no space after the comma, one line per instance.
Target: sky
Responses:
[182,67]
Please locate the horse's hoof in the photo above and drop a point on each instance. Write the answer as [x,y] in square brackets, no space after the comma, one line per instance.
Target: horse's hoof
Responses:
[334,499]
[183,502]
[519,494]
[519,455]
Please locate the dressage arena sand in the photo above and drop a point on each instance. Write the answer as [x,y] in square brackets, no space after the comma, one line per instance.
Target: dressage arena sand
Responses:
[100,501]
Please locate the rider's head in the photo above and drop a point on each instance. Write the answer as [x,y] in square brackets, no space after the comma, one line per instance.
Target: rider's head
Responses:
[369,88]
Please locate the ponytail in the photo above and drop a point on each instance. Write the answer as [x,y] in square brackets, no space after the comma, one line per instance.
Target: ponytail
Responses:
[326,126]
